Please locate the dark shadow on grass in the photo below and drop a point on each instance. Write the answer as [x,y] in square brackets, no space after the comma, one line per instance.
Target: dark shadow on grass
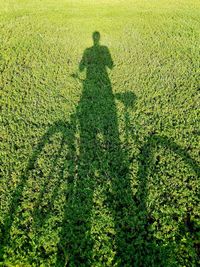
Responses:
[95,157]
[100,161]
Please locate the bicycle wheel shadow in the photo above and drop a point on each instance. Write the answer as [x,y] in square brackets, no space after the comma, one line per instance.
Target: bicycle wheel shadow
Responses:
[48,158]
[152,166]
[83,154]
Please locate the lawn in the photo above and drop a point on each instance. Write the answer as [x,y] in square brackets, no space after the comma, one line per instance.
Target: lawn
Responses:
[100,133]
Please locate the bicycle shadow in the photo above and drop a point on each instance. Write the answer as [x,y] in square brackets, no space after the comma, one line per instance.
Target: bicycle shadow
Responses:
[92,156]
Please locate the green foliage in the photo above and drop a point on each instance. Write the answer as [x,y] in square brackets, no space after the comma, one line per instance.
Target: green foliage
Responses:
[100,169]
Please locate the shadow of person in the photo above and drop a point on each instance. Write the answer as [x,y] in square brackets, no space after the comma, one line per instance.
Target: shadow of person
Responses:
[100,162]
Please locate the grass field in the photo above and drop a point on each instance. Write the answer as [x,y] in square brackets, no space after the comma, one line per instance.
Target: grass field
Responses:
[100,143]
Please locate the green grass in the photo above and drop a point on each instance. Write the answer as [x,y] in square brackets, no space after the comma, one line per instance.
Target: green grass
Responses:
[100,169]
